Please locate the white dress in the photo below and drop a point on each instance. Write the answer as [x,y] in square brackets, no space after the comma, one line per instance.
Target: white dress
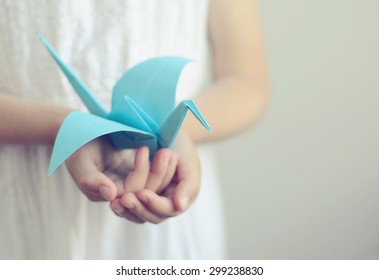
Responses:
[45,217]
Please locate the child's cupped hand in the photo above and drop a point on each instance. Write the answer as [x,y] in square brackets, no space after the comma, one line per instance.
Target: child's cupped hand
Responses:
[138,190]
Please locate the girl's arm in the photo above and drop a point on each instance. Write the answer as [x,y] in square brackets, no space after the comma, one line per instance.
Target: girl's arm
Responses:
[28,122]
[238,96]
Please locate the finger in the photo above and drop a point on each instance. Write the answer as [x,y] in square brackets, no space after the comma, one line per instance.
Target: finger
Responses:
[187,187]
[184,194]
[158,169]
[97,187]
[131,202]
[160,205]
[94,184]
[120,211]
[137,178]
[169,173]
[117,180]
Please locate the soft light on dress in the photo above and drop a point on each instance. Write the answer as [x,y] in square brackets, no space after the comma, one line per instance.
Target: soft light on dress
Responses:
[47,217]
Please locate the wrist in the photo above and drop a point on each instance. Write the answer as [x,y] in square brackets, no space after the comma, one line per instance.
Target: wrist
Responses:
[54,123]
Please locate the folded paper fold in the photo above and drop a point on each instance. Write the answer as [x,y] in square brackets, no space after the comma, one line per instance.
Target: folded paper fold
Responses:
[143,109]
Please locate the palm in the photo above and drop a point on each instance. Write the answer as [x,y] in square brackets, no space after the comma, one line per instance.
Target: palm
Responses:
[116,165]
[98,160]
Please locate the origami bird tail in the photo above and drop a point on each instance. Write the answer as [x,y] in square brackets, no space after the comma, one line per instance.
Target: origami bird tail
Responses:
[91,102]
[170,128]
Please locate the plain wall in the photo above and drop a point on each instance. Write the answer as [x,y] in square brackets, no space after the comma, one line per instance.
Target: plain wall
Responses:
[307,182]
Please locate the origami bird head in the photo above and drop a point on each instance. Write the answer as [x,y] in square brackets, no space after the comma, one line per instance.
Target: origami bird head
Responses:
[143,111]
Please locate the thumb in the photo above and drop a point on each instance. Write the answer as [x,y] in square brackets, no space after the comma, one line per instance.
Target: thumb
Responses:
[94,184]
[98,187]
[184,194]
[188,184]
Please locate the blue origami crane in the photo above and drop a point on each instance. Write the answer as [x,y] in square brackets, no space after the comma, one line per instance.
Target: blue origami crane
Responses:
[143,109]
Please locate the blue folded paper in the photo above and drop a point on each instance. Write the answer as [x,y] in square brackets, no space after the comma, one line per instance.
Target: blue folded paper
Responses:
[143,109]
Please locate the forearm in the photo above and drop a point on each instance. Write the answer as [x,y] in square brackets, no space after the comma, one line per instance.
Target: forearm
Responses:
[230,105]
[239,93]
[29,122]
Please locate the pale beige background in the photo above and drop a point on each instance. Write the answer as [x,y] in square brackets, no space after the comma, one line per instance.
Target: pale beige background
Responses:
[304,183]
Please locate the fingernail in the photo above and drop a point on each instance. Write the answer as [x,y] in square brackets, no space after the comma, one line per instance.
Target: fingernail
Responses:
[128,204]
[145,151]
[172,161]
[119,211]
[184,201]
[106,193]
[165,161]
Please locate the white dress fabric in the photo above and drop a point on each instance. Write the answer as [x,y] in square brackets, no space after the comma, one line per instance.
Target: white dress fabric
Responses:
[45,217]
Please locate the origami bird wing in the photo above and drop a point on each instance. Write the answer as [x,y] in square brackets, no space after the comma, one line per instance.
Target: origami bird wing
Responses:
[80,128]
[91,102]
[152,86]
